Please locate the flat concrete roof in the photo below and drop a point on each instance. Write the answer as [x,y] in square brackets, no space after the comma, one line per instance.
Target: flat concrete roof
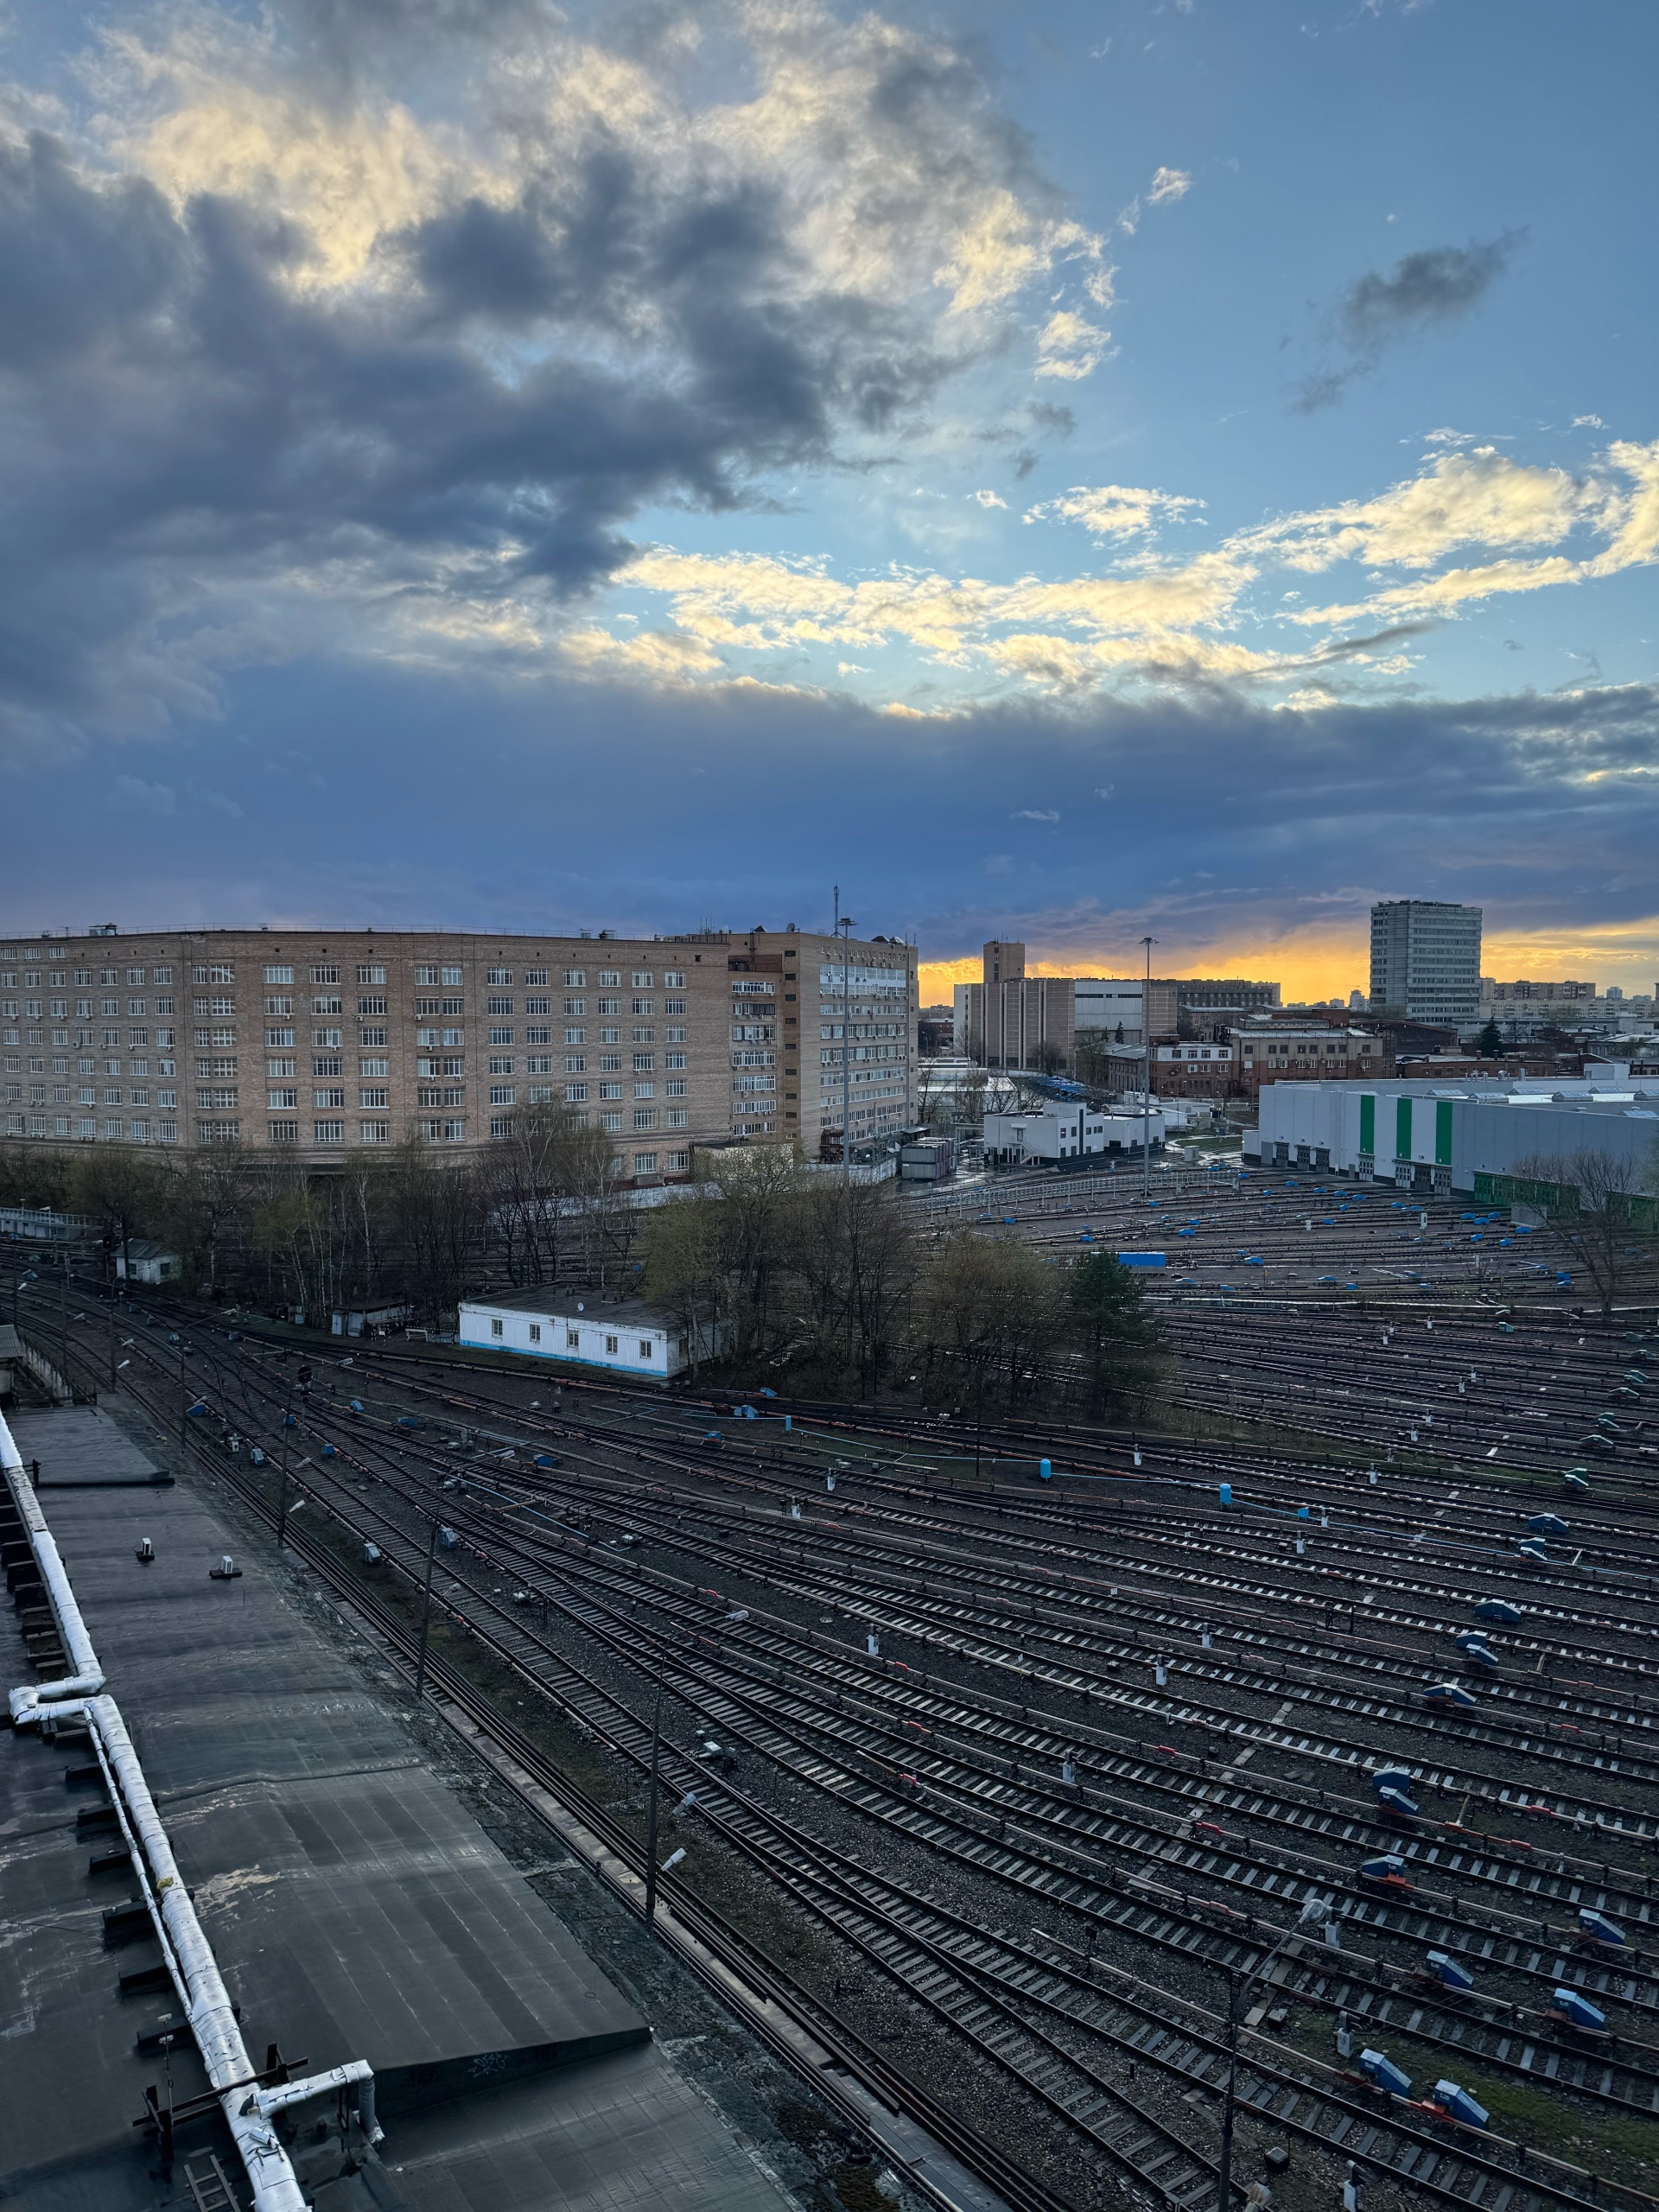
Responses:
[549,1305]
[356,1908]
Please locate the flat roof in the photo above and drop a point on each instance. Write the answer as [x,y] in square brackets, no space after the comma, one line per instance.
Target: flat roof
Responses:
[355,1906]
[547,1305]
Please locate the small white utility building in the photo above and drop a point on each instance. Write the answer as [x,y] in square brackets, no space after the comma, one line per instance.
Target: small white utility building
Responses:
[627,1337]
[145,1261]
[1061,1133]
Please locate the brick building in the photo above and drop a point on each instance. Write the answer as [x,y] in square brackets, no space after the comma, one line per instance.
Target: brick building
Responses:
[313,1041]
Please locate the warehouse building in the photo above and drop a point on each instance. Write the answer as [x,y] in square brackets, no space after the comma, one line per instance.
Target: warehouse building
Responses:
[1429,1136]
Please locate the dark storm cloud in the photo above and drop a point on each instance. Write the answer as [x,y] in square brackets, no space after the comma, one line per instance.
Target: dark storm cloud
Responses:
[193,428]
[1434,286]
[1222,822]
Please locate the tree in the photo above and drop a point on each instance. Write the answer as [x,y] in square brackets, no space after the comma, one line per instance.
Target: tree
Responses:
[684,1269]
[992,1306]
[1118,1339]
[851,1268]
[1600,1208]
[209,1193]
[121,1192]
[1492,1040]
[542,1183]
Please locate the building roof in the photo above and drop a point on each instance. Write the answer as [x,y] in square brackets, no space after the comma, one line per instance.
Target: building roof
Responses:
[549,1305]
[355,1906]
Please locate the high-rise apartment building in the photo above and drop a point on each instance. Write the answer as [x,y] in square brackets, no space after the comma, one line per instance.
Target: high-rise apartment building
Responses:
[1426,960]
[311,1042]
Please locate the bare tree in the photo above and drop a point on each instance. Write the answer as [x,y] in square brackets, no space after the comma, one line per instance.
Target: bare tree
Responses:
[1600,1208]
[122,1190]
[209,1193]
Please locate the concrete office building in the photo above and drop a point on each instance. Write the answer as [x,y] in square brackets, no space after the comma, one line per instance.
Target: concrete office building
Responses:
[1104,1005]
[1426,961]
[312,1042]
[1010,1020]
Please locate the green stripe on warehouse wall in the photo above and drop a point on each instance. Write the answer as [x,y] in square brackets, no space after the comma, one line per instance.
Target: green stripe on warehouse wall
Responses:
[1367,1123]
[1402,1128]
[1443,1133]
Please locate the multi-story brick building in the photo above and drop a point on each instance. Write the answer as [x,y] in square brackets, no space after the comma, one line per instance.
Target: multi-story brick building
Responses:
[311,1041]
[1238,1067]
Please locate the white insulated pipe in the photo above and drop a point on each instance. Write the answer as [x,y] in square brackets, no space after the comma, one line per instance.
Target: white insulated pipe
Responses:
[87,1678]
[189,1955]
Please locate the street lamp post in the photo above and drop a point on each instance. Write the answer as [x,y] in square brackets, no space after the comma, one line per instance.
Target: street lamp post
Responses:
[281,1478]
[843,930]
[426,1610]
[1315,1913]
[651,1816]
[1146,1086]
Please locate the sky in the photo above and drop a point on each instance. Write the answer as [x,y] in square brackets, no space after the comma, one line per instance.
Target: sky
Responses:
[1060,471]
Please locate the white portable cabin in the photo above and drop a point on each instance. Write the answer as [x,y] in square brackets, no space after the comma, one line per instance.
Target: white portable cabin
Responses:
[629,1338]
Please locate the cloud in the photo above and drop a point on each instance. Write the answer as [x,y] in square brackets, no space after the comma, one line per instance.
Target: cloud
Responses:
[988,499]
[1168,185]
[1152,619]
[1069,346]
[1110,510]
[1483,497]
[291,366]
[132,795]
[1035,814]
[1434,286]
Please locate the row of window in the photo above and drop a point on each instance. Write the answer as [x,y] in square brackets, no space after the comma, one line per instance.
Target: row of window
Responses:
[370,1097]
[326,1132]
[88,1093]
[86,1126]
[58,1009]
[83,1040]
[13,1063]
[83,978]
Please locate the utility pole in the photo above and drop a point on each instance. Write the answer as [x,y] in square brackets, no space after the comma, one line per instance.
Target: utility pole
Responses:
[111,1336]
[184,1407]
[1146,1091]
[1225,2193]
[426,1610]
[843,928]
[281,1479]
[651,1816]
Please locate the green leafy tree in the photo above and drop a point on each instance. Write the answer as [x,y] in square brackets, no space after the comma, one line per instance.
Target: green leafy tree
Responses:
[991,1309]
[1492,1040]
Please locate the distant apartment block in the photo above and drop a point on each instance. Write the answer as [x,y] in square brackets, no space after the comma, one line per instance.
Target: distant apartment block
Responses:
[1426,960]
[1493,993]
[1211,996]
[312,1042]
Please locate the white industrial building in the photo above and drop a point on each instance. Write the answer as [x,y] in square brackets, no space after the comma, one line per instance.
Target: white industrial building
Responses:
[1454,1135]
[628,1336]
[1060,1133]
